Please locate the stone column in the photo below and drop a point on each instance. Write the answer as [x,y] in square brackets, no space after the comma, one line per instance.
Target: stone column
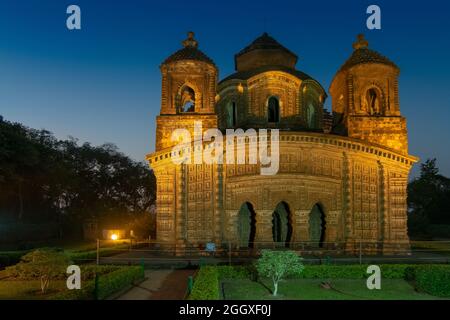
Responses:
[300,226]
[230,226]
[331,226]
[264,227]
[180,232]
[347,178]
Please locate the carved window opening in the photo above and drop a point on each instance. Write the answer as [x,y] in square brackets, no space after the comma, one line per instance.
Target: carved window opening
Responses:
[232,114]
[373,101]
[187,99]
[273,110]
[311,116]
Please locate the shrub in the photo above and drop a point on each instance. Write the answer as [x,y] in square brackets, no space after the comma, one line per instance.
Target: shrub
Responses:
[434,279]
[206,284]
[279,264]
[397,271]
[117,280]
[89,271]
[236,272]
[45,264]
[87,292]
[110,280]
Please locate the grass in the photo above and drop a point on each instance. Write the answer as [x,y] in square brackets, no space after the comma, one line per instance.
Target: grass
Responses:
[310,289]
[28,289]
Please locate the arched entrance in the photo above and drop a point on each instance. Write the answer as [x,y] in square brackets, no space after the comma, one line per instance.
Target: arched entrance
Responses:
[317,226]
[246,225]
[281,225]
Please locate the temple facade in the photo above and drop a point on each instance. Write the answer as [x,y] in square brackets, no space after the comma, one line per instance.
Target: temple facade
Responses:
[342,175]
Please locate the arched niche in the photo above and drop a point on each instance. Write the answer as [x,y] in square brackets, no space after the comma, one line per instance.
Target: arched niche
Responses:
[317,226]
[246,225]
[187,98]
[372,101]
[231,114]
[282,224]
[273,109]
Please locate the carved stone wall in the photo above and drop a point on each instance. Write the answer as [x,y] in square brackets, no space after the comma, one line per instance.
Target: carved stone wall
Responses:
[354,176]
[252,95]
[360,187]
[166,125]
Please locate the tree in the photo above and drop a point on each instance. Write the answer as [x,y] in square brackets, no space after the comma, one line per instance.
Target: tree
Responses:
[278,264]
[428,199]
[429,202]
[45,264]
[45,180]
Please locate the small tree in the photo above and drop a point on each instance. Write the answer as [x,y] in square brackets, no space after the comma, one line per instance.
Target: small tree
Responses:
[45,264]
[278,264]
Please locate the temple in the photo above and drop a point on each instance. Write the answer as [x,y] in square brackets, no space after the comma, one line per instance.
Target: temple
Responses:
[342,175]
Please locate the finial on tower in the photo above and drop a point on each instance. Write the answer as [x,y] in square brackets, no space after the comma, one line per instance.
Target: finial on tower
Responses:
[190,41]
[361,43]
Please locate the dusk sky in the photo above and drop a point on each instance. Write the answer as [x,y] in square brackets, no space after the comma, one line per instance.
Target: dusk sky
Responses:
[102,83]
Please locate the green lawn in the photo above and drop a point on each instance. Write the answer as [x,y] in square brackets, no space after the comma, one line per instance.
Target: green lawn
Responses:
[310,289]
[28,289]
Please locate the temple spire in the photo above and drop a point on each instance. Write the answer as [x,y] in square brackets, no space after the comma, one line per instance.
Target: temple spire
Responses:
[361,43]
[190,41]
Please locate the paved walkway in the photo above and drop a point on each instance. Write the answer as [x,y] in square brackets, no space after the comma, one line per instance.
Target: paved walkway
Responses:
[164,284]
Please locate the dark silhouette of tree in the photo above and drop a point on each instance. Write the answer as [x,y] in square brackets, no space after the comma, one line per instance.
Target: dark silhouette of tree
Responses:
[46,179]
[428,199]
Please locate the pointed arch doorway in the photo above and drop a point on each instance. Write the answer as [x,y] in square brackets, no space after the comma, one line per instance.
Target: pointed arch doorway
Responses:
[281,225]
[246,225]
[317,226]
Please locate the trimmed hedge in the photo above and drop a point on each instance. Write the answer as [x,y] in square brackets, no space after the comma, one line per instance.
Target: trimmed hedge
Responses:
[8,258]
[434,279]
[107,285]
[206,284]
[87,292]
[388,271]
[236,272]
[117,280]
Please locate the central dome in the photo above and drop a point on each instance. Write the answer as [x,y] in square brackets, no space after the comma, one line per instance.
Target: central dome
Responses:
[264,51]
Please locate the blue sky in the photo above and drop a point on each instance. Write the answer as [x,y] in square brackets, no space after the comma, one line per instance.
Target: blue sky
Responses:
[102,83]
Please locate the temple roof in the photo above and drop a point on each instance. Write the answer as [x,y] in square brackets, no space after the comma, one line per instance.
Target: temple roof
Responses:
[263,51]
[189,52]
[362,54]
[244,75]
[264,42]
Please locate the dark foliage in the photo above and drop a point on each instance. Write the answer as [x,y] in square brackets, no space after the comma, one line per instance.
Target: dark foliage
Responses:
[428,200]
[43,179]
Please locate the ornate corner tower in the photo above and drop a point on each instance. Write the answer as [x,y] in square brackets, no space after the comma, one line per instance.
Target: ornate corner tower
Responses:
[189,79]
[365,99]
